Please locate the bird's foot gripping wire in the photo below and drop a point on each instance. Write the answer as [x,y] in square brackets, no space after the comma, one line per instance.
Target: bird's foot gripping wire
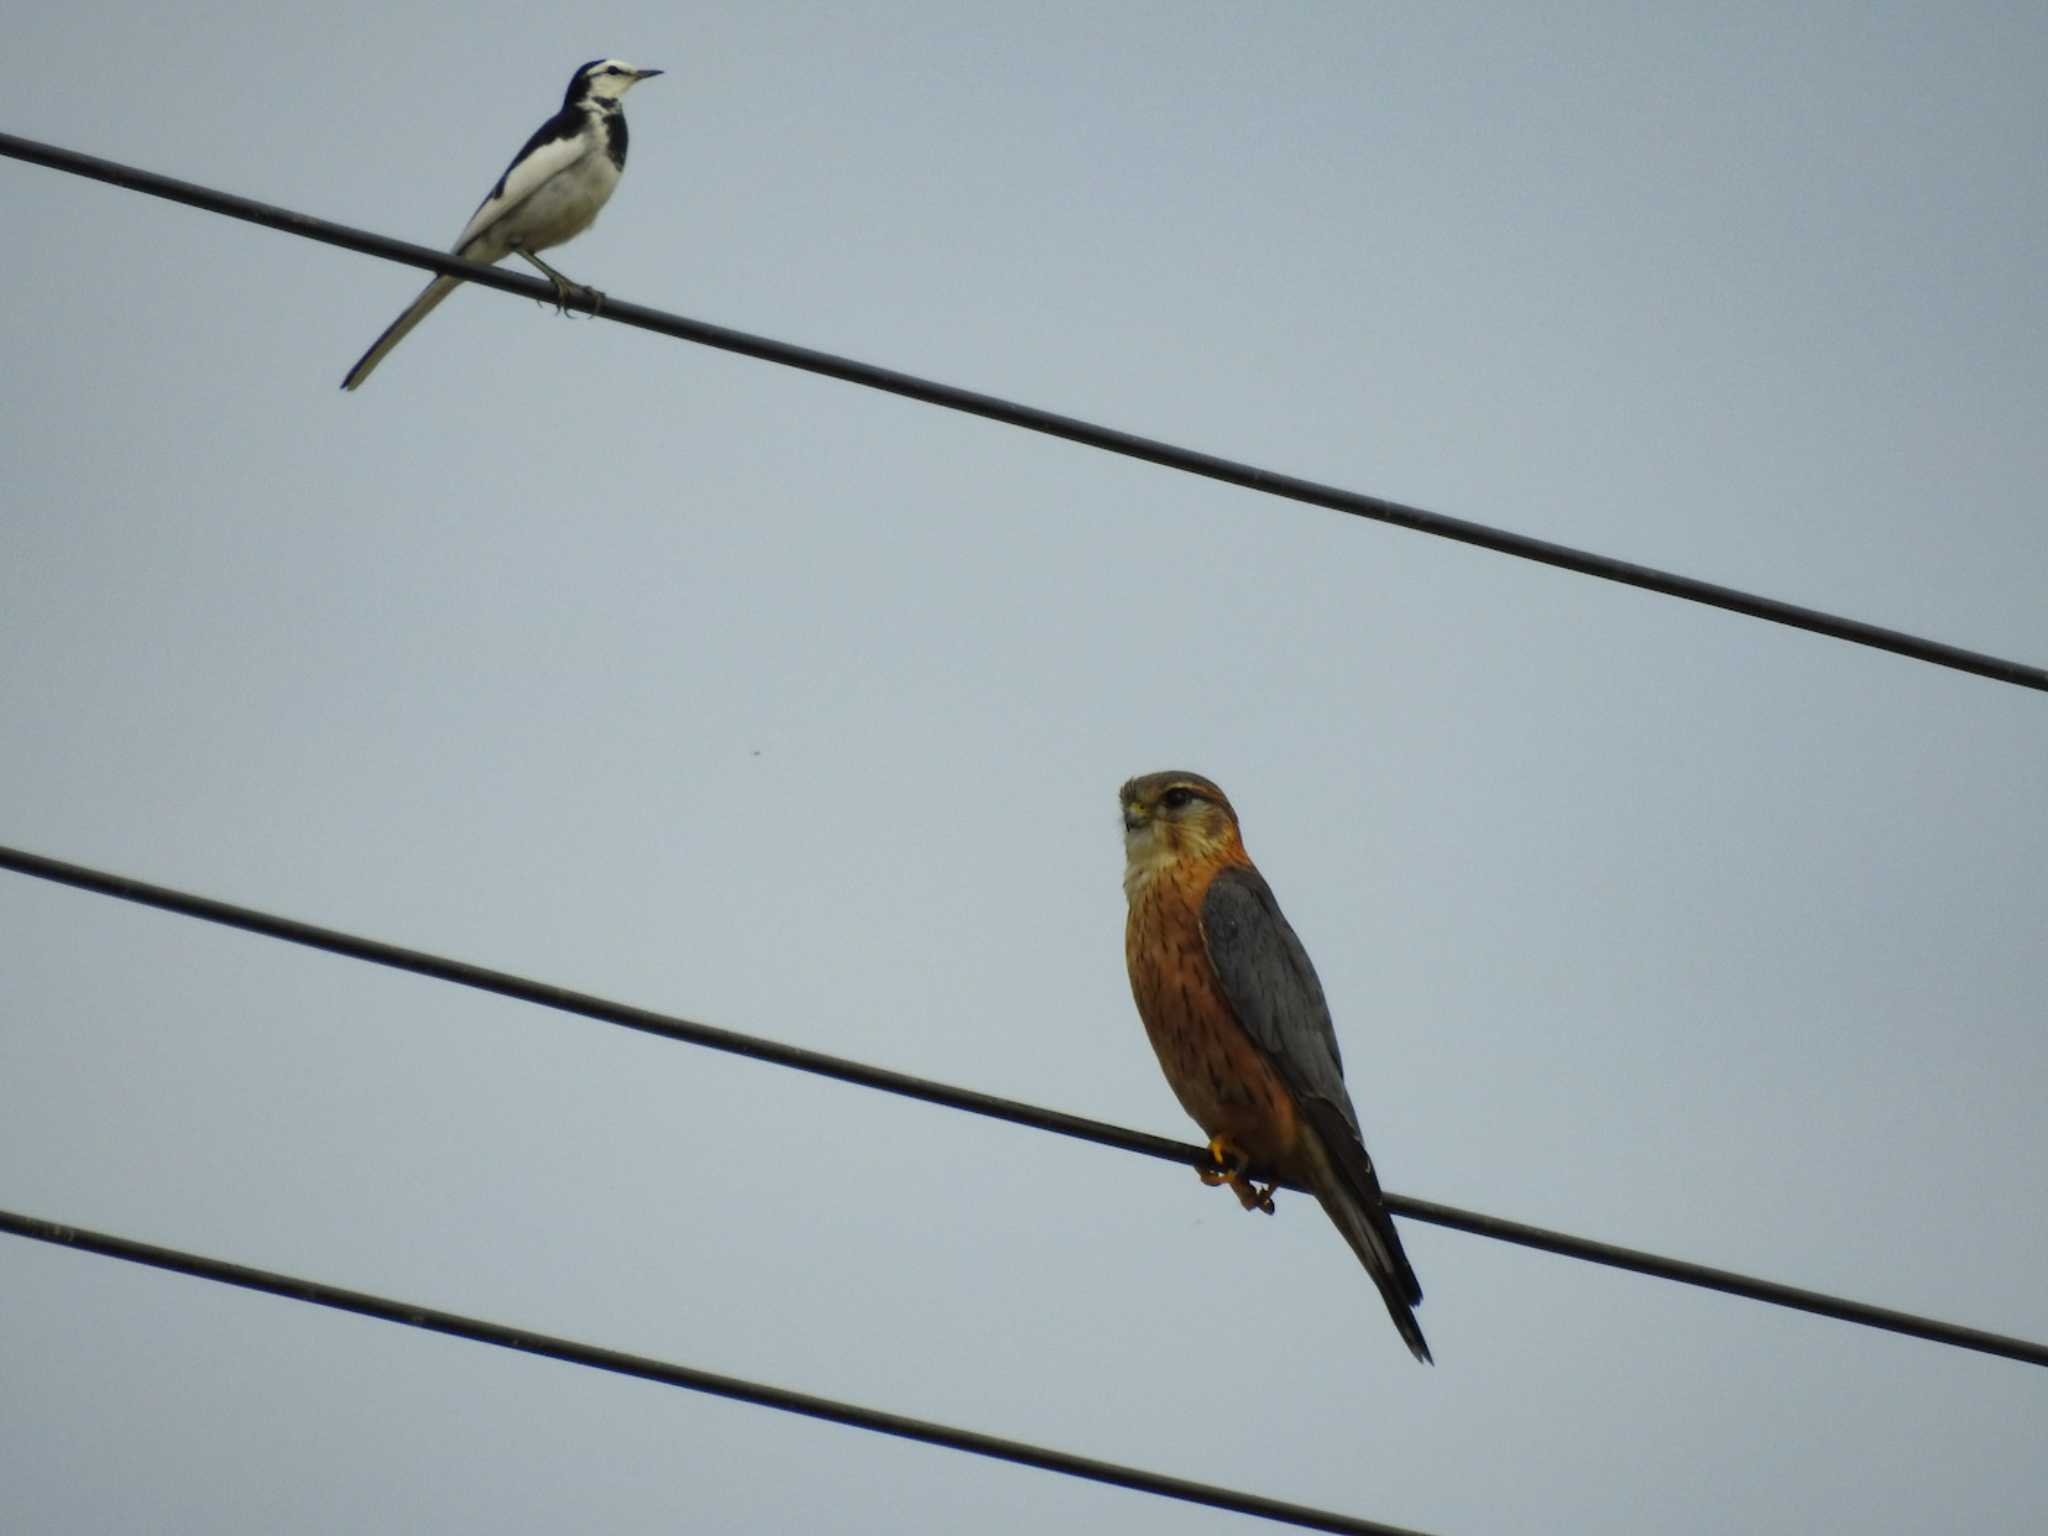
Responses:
[566,292]
[1231,1161]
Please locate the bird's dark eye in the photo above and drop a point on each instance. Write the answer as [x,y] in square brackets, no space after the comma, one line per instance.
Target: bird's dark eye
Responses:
[1179,798]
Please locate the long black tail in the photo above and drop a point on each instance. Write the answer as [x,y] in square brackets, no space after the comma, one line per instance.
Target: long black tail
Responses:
[1349,1190]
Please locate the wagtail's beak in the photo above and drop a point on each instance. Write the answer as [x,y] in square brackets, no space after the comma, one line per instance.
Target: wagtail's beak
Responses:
[647,74]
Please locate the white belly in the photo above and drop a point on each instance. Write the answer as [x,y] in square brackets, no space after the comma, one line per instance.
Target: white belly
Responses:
[559,209]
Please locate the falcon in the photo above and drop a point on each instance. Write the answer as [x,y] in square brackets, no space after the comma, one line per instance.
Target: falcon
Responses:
[1238,1020]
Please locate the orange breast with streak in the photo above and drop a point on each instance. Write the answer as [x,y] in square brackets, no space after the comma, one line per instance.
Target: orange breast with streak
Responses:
[1221,1078]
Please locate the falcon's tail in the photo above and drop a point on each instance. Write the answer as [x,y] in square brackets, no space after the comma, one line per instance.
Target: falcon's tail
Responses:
[1350,1193]
[400,328]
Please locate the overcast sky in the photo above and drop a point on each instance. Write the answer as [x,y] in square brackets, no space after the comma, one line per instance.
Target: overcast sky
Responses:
[799,709]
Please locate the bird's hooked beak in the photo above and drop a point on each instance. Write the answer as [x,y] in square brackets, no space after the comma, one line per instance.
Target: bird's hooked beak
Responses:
[1134,816]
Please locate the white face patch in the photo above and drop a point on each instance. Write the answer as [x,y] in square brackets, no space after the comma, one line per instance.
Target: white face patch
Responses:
[1146,853]
[610,80]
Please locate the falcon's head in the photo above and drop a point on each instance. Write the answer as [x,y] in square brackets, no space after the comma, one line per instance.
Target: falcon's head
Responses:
[1172,816]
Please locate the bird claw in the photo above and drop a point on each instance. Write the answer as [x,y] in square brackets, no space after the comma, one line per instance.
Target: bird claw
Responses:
[1231,1161]
[569,297]
[566,292]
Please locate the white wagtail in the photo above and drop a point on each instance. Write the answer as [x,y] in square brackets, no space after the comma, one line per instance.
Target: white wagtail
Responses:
[551,192]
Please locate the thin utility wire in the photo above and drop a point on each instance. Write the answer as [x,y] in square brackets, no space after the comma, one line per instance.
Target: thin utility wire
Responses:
[1100,1132]
[1031,419]
[925,1431]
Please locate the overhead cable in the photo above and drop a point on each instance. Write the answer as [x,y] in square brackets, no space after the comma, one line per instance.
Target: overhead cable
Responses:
[668,1373]
[1102,1133]
[1030,418]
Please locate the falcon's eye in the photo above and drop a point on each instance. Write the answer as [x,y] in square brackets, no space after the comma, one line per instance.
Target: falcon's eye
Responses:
[1179,798]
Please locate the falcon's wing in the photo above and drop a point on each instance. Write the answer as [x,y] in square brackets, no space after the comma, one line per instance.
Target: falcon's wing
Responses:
[1272,988]
[1266,976]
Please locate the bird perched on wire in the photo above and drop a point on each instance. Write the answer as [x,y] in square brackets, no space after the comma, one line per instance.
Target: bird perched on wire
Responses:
[550,193]
[1237,1018]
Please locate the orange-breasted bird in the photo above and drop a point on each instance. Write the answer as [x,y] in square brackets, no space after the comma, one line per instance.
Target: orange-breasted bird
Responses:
[1237,1018]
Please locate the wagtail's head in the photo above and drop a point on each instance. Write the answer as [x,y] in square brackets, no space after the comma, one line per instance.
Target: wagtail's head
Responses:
[602,82]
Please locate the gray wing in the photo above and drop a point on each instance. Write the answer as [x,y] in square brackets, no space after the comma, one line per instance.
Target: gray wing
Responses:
[1272,988]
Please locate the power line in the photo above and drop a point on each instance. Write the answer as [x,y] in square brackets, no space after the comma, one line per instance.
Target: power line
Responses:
[646,1368]
[756,1048]
[1030,418]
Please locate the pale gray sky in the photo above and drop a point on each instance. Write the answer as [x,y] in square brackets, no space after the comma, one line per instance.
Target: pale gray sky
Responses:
[801,710]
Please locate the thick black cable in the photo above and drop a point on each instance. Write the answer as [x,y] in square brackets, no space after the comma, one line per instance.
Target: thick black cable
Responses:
[945,1094]
[1031,419]
[925,1431]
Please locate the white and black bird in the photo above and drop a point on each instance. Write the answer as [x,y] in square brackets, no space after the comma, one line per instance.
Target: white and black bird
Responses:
[551,192]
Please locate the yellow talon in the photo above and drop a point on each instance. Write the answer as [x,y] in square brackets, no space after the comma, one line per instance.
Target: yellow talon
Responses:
[1226,1163]
[1230,1165]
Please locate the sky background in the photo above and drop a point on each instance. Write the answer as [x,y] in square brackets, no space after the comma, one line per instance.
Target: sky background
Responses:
[799,709]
